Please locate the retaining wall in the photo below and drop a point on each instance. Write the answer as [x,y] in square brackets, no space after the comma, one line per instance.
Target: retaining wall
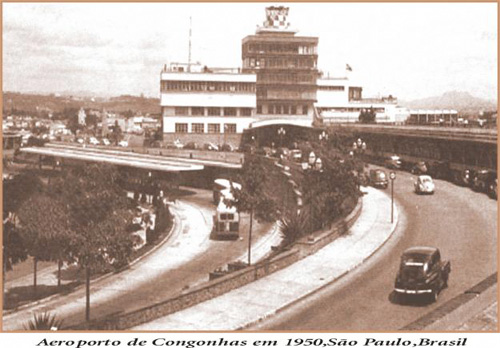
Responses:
[303,248]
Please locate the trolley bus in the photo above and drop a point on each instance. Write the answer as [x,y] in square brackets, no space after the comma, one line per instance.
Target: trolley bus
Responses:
[226,218]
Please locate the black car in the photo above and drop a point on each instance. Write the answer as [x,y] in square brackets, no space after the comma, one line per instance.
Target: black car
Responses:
[420,168]
[378,178]
[422,273]
[493,190]
[483,180]
[464,177]
[191,146]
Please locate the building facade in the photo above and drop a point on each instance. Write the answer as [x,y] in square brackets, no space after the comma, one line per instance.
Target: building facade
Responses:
[206,105]
[279,83]
[285,66]
[341,101]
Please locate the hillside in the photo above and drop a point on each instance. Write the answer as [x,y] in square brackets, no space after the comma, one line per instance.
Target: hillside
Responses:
[34,104]
[463,102]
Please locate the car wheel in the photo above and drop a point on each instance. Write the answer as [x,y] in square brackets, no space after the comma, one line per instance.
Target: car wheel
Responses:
[434,295]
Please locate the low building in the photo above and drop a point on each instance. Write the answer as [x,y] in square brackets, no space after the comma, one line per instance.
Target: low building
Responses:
[434,117]
[341,101]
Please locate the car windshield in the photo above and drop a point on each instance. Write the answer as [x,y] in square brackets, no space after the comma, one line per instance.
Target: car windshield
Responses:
[426,180]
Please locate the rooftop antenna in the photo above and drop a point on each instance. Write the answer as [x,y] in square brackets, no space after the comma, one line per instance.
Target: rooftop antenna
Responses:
[189,56]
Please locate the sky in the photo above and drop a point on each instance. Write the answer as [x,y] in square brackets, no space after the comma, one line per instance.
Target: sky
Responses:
[409,50]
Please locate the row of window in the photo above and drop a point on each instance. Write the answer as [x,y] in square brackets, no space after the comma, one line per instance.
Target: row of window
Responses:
[287,78]
[211,111]
[277,109]
[279,63]
[207,86]
[376,110]
[282,48]
[331,88]
[199,128]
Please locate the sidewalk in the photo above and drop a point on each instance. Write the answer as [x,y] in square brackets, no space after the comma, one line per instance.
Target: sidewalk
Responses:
[172,265]
[293,283]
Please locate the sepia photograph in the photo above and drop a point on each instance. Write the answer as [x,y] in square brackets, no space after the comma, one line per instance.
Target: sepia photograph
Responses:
[276,167]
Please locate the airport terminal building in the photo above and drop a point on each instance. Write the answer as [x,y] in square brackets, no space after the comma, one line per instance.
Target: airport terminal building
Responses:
[279,83]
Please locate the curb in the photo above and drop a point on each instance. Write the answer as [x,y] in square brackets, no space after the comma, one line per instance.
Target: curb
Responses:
[177,222]
[312,292]
[461,305]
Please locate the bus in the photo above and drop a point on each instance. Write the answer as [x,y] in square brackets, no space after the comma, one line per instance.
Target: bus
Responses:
[220,185]
[226,221]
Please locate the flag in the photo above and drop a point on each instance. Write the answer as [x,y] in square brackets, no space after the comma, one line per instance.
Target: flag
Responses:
[348,67]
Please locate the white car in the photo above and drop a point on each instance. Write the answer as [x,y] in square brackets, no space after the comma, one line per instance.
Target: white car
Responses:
[106,141]
[94,141]
[123,143]
[424,184]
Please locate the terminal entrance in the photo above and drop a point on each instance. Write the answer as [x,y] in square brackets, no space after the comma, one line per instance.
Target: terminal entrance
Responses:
[277,135]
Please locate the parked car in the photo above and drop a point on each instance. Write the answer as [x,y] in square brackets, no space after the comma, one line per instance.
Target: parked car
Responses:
[424,184]
[210,147]
[191,146]
[296,155]
[483,179]
[227,148]
[178,144]
[248,148]
[464,178]
[419,168]
[106,141]
[264,151]
[378,178]
[283,153]
[422,272]
[493,190]
[393,162]
[123,143]
[94,141]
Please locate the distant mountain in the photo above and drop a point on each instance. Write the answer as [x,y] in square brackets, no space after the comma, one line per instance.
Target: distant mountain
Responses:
[34,104]
[463,102]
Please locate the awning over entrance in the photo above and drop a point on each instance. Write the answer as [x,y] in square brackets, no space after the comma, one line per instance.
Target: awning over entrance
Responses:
[284,121]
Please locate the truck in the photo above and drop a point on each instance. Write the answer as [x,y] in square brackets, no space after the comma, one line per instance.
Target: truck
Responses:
[422,272]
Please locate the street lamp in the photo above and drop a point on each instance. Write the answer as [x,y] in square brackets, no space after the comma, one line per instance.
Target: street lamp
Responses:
[323,136]
[359,146]
[318,165]
[312,159]
[392,176]
[281,134]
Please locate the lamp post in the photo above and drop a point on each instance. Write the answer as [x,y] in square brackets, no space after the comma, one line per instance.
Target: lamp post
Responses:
[281,134]
[225,131]
[392,176]
[323,136]
[312,159]
[318,165]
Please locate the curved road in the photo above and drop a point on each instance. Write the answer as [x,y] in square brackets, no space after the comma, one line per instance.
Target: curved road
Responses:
[462,223]
[183,262]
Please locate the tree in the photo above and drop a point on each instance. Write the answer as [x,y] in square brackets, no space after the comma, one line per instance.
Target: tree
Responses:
[116,133]
[367,115]
[73,124]
[44,225]
[253,197]
[325,192]
[99,215]
[15,192]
